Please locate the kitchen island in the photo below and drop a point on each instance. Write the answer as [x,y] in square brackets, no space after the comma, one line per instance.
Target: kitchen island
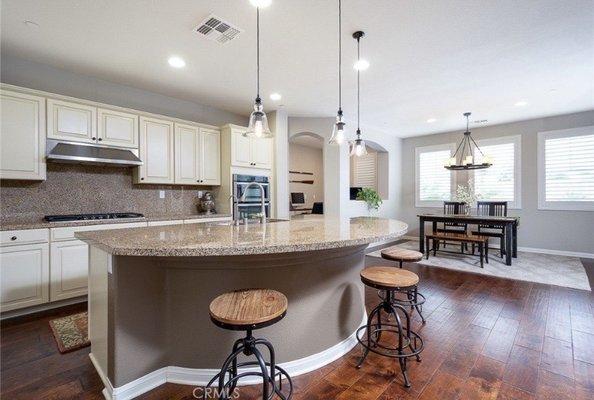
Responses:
[149,291]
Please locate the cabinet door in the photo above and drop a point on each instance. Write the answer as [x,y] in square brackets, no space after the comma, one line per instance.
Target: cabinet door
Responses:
[117,128]
[210,159]
[71,121]
[22,136]
[156,151]
[69,269]
[186,144]
[261,153]
[240,149]
[24,276]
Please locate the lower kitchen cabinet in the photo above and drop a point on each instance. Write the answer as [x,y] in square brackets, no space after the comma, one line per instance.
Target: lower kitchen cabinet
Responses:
[24,276]
[69,269]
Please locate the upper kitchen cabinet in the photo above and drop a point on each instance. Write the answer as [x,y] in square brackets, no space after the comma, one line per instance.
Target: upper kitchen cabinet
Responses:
[197,155]
[71,121]
[156,151]
[22,136]
[116,128]
[248,152]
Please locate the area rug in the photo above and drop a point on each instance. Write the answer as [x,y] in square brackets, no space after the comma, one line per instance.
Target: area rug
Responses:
[71,332]
[532,267]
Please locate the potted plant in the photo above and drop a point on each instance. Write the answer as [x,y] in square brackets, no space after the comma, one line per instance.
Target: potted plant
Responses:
[371,197]
[467,195]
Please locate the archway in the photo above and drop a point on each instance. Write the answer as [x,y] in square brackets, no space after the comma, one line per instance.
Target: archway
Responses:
[370,171]
[306,173]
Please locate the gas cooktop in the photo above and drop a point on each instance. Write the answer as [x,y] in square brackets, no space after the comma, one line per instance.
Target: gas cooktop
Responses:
[87,217]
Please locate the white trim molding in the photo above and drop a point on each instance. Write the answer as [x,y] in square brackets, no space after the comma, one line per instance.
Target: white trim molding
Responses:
[427,149]
[543,204]
[201,377]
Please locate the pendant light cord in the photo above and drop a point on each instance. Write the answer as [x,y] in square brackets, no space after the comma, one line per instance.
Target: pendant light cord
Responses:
[358,87]
[258,52]
[340,55]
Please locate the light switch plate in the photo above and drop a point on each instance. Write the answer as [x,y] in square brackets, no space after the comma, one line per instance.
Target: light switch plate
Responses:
[161,194]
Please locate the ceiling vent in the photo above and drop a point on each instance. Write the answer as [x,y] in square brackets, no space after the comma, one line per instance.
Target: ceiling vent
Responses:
[214,28]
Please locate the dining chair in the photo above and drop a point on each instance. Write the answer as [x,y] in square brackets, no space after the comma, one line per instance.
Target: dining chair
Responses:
[493,208]
[454,207]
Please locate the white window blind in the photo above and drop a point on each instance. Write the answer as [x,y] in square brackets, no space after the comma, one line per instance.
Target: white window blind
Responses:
[566,178]
[365,171]
[434,182]
[500,182]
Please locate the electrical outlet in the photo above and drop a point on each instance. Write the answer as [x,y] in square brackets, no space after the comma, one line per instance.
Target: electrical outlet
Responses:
[200,193]
[161,194]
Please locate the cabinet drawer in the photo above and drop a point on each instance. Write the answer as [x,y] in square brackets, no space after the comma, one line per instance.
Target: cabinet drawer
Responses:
[67,233]
[25,236]
[205,220]
[163,223]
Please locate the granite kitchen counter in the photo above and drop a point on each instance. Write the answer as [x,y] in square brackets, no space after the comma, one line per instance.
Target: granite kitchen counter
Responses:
[228,240]
[9,224]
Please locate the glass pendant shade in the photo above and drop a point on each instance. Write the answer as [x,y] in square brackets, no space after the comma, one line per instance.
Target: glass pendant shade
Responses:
[258,125]
[358,147]
[338,133]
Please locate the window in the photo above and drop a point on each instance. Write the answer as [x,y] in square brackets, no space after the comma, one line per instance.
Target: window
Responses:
[566,169]
[501,181]
[433,182]
[365,171]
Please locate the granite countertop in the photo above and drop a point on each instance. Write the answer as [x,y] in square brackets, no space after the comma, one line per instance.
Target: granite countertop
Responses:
[9,224]
[220,240]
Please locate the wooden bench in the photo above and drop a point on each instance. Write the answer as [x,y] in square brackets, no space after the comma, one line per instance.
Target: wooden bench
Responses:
[481,241]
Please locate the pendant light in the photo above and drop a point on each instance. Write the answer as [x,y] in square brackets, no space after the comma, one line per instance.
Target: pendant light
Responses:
[258,125]
[358,145]
[467,154]
[338,134]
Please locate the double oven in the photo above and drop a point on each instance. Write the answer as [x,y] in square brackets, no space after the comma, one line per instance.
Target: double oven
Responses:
[250,206]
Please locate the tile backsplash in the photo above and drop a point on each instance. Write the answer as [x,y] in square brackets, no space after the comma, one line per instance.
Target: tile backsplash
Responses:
[74,188]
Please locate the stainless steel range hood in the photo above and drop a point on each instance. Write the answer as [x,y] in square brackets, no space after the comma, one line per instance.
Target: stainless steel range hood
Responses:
[83,153]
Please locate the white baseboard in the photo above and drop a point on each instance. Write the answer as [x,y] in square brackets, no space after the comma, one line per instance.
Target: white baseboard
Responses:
[201,377]
[532,250]
[42,307]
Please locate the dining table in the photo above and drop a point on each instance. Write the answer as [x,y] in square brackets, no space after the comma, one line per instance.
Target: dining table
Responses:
[509,224]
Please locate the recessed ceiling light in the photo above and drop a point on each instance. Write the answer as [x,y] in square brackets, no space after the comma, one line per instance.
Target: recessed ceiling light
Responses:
[275,97]
[521,103]
[431,120]
[31,24]
[553,91]
[176,62]
[261,3]
[361,64]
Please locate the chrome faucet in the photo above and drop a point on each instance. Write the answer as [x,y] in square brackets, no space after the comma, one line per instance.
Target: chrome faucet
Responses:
[262,198]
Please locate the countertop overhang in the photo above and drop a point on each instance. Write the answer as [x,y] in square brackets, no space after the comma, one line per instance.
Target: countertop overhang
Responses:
[228,240]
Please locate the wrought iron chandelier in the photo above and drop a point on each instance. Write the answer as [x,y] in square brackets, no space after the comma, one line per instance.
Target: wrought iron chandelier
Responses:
[467,154]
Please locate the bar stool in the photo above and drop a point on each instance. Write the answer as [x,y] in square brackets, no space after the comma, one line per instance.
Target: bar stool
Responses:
[410,343]
[414,299]
[247,310]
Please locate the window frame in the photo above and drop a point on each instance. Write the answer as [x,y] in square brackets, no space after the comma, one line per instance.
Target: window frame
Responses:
[427,149]
[558,205]
[517,141]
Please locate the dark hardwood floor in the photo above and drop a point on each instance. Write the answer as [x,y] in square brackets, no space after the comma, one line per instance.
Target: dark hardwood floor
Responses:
[486,338]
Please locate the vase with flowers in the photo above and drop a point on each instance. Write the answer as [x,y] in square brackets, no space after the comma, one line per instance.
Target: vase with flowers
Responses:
[468,195]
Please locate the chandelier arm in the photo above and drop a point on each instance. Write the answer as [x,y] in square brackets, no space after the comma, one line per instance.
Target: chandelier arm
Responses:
[458,148]
[476,145]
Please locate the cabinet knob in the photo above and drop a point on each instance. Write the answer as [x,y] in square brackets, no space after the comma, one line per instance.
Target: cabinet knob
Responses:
[141,179]
[13,238]
[100,139]
[197,180]
[94,138]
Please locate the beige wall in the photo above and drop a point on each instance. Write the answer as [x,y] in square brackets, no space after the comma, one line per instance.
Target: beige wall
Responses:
[307,159]
[541,229]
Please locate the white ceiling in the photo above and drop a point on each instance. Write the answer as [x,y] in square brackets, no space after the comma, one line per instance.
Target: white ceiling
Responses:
[429,59]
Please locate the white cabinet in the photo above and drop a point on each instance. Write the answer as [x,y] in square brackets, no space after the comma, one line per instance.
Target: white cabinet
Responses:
[197,155]
[24,276]
[22,136]
[71,121]
[156,151]
[210,150]
[250,152]
[69,269]
[116,128]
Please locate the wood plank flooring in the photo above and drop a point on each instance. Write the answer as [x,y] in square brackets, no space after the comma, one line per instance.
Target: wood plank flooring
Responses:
[486,338]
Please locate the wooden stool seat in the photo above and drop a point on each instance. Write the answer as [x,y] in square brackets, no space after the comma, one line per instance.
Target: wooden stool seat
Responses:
[248,309]
[388,278]
[399,254]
